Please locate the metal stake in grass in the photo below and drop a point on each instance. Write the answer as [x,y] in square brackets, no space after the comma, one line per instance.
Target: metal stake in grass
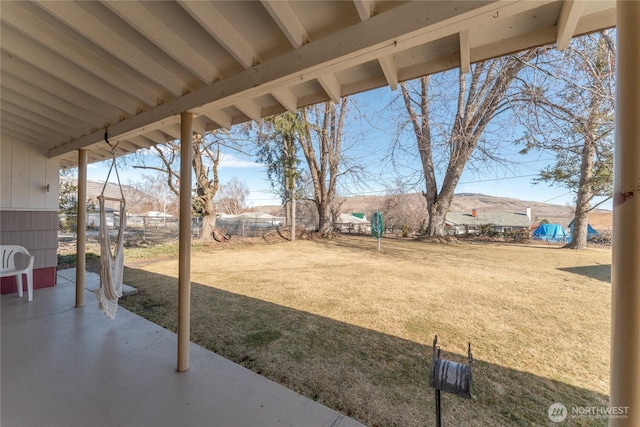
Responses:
[449,376]
[377,226]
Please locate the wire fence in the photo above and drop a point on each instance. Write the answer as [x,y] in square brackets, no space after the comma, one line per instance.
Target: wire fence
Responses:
[162,228]
[151,228]
[249,227]
[159,228]
[145,227]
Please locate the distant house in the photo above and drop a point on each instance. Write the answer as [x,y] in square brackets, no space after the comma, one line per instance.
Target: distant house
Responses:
[93,218]
[360,215]
[458,223]
[157,218]
[158,214]
[352,223]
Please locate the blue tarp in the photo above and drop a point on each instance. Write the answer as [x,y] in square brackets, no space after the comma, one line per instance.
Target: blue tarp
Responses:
[591,232]
[551,233]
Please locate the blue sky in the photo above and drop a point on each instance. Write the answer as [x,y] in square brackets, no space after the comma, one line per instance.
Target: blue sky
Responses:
[368,141]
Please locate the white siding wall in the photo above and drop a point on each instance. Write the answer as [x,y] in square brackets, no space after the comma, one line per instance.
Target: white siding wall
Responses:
[25,172]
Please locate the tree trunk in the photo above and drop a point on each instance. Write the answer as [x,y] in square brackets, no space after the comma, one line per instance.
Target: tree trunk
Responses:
[438,214]
[579,234]
[431,228]
[324,219]
[585,194]
[206,189]
[292,204]
[208,221]
[287,207]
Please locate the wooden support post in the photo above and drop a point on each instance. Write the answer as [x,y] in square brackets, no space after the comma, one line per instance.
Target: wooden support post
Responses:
[625,269]
[184,256]
[81,226]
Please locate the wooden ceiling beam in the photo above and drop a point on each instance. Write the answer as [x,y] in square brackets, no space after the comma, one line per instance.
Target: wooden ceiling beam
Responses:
[221,117]
[289,23]
[223,31]
[287,99]
[38,108]
[36,94]
[567,22]
[98,28]
[390,70]
[56,87]
[331,86]
[250,109]
[17,15]
[162,34]
[30,126]
[465,52]
[365,8]
[42,58]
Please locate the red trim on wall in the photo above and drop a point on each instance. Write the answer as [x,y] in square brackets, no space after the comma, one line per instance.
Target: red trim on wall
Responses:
[42,278]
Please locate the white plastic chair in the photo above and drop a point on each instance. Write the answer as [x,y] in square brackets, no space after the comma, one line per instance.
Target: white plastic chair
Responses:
[8,267]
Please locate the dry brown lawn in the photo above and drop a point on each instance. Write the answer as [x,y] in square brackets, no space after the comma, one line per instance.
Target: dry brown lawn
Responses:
[352,327]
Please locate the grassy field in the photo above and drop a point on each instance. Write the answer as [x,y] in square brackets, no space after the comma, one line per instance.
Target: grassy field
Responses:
[352,327]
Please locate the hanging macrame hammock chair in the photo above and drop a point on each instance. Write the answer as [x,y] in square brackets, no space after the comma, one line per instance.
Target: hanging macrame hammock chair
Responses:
[111,262]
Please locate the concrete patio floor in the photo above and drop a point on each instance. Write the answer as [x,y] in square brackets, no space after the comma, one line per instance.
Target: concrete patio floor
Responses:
[67,366]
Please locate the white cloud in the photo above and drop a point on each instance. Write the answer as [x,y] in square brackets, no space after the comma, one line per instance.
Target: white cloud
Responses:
[228,160]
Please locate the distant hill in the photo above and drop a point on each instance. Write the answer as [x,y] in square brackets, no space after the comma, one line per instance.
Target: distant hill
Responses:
[601,220]
[137,201]
[464,202]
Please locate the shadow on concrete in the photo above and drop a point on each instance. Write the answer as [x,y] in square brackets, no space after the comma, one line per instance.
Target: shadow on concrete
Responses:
[376,378]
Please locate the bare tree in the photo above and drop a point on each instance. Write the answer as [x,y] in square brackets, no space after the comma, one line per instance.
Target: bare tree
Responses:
[321,142]
[482,95]
[231,197]
[401,210]
[206,158]
[569,102]
[139,198]
[155,194]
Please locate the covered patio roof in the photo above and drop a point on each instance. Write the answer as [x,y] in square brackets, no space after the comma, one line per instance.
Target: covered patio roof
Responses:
[71,70]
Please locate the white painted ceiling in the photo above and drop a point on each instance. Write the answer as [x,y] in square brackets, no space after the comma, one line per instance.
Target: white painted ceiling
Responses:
[71,69]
